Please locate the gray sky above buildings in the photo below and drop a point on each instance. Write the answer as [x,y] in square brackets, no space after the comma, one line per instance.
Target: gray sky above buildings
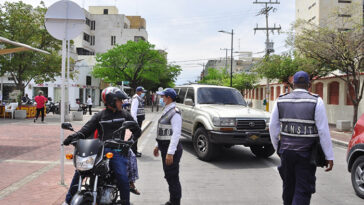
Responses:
[187,29]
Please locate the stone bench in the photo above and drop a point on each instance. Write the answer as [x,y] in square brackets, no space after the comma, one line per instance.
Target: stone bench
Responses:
[77,115]
[343,125]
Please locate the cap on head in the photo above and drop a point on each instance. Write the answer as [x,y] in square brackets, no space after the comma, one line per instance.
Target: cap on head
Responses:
[168,92]
[301,77]
[140,89]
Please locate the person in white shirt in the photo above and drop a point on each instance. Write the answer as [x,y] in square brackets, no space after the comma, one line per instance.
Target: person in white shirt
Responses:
[138,113]
[89,104]
[168,135]
[299,118]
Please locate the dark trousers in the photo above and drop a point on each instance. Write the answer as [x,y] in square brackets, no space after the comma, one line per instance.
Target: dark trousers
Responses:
[40,110]
[298,176]
[89,109]
[134,147]
[119,165]
[171,173]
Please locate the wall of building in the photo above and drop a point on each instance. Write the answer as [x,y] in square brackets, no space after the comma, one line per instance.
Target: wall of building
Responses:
[100,9]
[341,111]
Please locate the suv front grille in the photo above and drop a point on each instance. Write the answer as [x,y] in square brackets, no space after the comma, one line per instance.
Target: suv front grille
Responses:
[250,124]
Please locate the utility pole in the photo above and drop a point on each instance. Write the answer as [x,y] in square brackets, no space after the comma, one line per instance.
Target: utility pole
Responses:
[226,58]
[268,44]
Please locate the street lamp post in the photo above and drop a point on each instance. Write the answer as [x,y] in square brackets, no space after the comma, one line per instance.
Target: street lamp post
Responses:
[232,47]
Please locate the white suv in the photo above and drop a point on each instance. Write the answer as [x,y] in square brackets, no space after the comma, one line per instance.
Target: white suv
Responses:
[216,116]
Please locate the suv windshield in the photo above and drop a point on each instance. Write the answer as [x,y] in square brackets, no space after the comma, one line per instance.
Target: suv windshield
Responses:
[220,96]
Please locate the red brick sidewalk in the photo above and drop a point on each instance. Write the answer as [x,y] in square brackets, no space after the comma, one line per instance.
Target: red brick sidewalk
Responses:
[29,162]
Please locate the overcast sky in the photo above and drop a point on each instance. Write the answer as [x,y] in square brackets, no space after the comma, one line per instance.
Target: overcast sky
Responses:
[187,29]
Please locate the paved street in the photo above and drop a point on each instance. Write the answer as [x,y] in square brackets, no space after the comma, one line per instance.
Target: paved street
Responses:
[236,177]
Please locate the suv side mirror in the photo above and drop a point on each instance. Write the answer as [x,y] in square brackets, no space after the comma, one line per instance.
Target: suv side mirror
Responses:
[189,102]
[67,126]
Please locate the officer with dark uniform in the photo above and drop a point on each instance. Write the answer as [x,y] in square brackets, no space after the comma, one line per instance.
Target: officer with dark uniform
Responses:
[300,119]
[169,132]
[138,113]
[105,123]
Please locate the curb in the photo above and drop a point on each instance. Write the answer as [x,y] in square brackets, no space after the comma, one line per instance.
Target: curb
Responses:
[146,126]
[340,142]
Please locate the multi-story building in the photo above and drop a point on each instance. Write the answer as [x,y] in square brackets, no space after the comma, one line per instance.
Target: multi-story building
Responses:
[104,28]
[244,63]
[329,13]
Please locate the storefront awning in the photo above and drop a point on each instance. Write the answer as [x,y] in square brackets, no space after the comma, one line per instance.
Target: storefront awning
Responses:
[20,47]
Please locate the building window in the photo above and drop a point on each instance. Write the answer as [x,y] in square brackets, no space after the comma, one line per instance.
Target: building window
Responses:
[85,52]
[113,40]
[348,98]
[311,19]
[319,89]
[310,7]
[92,40]
[86,37]
[343,29]
[272,93]
[334,93]
[345,1]
[87,22]
[106,11]
[88,80]
[93,25]
[278,93]
[344,15]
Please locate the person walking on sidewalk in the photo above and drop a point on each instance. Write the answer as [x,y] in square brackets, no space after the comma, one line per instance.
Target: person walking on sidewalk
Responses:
[300,119]
[41,101]
[138,113]
[89,104]
[168,135]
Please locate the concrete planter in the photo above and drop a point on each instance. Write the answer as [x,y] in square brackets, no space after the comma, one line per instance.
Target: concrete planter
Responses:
[77,115]
[20,114]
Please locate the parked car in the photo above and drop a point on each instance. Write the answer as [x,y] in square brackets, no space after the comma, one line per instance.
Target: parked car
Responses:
[217,116]
[355,157]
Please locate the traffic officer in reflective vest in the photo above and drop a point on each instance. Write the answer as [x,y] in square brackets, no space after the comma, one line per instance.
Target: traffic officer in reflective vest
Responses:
[300,119]
[138,113]
[169,132]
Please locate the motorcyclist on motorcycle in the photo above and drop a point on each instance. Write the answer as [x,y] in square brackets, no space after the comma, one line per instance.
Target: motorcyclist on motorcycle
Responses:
[113,100]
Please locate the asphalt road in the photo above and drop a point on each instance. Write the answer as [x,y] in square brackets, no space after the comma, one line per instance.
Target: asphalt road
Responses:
[236,177]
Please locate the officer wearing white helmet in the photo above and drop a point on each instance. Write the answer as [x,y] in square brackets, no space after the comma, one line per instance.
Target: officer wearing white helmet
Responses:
[169,132]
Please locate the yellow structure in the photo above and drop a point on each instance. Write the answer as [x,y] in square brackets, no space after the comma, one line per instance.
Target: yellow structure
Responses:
[137,22]
[102,9]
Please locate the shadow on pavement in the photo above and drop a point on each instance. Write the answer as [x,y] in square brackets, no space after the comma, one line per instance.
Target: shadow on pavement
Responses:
[236,157]
[9,152]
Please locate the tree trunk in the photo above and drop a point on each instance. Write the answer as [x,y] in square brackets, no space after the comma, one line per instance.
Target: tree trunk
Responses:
[355,116]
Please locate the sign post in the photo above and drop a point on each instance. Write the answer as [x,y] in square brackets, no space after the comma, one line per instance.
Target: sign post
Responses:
[64,20]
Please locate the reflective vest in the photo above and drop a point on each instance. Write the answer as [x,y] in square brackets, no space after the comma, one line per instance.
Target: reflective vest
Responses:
[164,129]
[140,111]
[297,117]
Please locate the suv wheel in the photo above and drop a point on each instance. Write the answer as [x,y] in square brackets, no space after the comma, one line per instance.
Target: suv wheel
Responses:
[204,148]
[357,176]
[263,151]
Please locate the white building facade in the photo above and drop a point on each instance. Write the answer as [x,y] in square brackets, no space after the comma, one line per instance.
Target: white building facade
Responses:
[104,28]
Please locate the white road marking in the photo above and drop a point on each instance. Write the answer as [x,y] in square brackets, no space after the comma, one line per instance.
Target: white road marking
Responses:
[33,161]
[17,185]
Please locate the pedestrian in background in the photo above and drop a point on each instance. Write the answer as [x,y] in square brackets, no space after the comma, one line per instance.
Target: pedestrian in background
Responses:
[138,113]
[168,135]
[300,119]
[89,104]
[41,101]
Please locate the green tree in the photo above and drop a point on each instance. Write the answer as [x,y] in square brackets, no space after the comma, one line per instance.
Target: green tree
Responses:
[242,81]
[23,23]
[214,77]
[136,62]
[339,50]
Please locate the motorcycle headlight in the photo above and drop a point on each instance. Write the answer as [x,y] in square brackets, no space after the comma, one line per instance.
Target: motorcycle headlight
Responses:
[85,163]
[224,122]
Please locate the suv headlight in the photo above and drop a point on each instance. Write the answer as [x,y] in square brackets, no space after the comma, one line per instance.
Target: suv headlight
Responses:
[85,163]
[224,122]
[267,122]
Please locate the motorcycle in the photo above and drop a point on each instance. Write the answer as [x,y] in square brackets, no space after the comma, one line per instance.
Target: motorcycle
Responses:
[97,184]
[52,107]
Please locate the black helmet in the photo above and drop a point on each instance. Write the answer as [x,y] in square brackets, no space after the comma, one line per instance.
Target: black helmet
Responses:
[111,94]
